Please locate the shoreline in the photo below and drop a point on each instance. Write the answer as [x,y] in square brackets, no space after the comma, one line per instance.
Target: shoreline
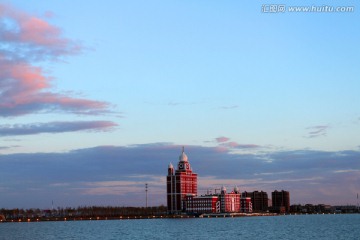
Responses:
[104,218]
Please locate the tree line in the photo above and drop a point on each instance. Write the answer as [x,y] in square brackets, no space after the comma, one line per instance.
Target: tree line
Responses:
[82,211]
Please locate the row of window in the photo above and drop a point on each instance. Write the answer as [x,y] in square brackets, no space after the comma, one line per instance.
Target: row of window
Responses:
[199,209]
[201,204]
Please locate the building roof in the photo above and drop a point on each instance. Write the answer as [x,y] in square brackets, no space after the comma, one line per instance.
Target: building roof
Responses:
[183,157]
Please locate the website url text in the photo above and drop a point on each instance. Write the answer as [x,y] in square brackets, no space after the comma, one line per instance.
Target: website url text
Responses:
[282,8]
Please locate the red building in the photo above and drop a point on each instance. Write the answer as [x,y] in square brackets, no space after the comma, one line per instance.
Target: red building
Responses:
[246,205]
[230,202]
[180,184]
[203,204]
[182,193]
[214,203]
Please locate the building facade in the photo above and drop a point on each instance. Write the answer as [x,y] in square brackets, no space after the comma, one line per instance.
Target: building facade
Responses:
[214,203]
[181,183]
[245,205]
[230,202]
[280,201]
[259,200]
[182,195]
[202,204]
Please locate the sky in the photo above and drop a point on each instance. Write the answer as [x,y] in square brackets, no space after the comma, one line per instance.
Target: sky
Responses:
[98,97]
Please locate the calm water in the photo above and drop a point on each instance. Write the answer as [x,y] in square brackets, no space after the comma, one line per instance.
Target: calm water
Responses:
[282,227]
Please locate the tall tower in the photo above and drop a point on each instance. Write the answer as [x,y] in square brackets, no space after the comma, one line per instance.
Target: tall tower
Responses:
[180,183]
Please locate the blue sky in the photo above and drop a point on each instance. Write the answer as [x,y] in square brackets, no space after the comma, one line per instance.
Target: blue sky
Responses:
[98,97]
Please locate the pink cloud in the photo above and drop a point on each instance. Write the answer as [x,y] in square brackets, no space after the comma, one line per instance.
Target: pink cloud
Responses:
[232,144]
[55,127]
[24,88]
[221,149]
[225,145]
[37,31]
[240,146]
[222,139]
[33,36]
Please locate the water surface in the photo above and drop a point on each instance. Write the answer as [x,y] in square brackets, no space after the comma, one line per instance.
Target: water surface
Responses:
[279,227]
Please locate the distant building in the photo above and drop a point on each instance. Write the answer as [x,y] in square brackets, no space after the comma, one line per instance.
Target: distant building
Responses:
[230,202]
[259,200]
[214,203]
[312,209]
[182,195]
[280,201]
[180,184]
[246,205]
[203,204]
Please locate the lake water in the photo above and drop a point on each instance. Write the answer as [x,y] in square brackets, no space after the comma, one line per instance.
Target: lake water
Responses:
[279,227]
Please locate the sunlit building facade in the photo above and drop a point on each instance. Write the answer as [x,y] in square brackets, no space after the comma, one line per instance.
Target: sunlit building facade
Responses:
[203,204]
[230,202]
[181,183]
[214,203]
[182,196]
